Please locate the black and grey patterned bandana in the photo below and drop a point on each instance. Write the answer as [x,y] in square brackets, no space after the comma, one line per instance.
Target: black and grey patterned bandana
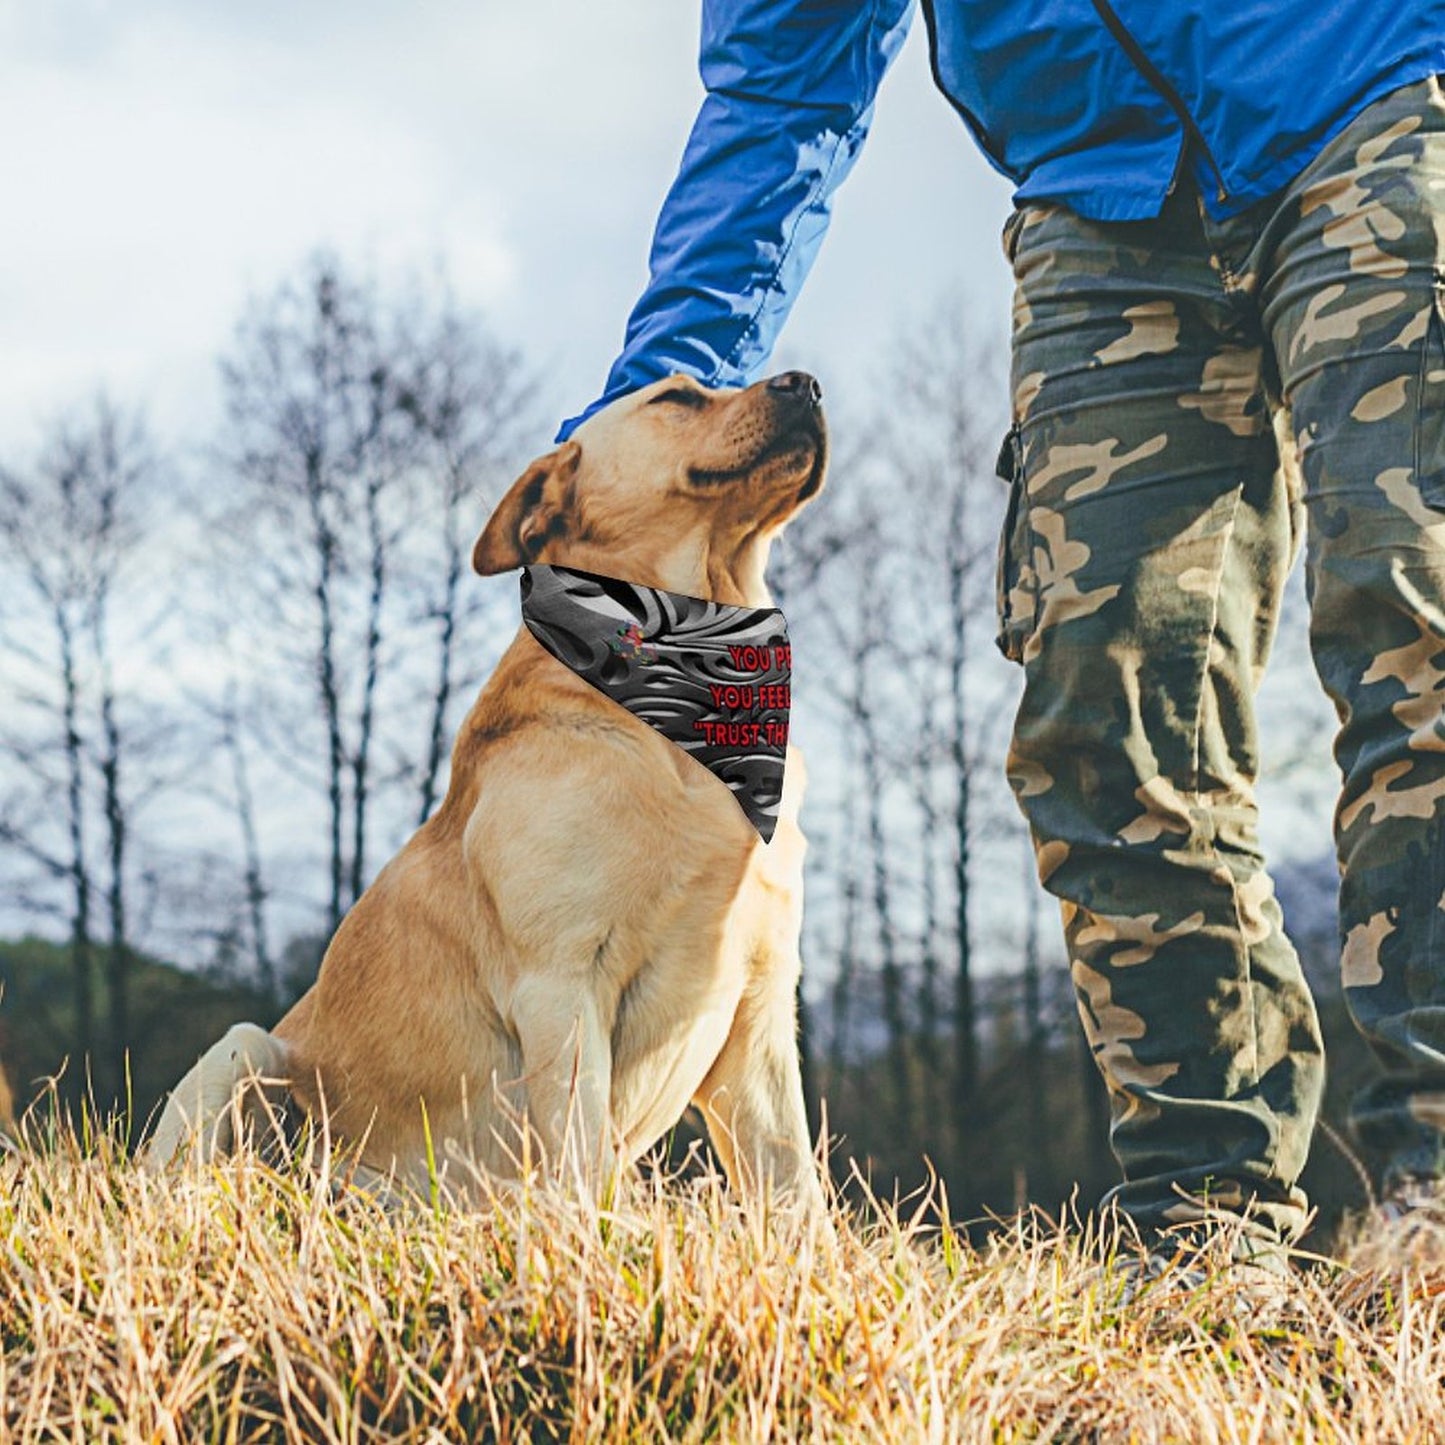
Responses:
[711,677]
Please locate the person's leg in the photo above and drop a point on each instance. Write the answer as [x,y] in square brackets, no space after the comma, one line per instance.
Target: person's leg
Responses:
[1355,305]
[1141,587]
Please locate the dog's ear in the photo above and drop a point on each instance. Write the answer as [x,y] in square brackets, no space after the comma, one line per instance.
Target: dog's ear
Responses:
[534,512]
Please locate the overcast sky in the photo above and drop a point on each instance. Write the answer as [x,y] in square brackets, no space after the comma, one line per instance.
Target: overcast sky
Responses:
[164,158]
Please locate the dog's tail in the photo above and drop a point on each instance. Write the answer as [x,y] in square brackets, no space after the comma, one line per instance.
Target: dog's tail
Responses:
[238,1086]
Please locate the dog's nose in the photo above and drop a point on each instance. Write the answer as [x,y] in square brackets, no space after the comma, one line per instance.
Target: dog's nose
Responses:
[797,384]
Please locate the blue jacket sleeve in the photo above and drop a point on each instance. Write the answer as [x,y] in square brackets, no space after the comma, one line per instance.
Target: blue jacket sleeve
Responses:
[790,89]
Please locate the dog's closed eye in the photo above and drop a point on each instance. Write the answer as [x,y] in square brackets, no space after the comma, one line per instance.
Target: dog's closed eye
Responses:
[680,396]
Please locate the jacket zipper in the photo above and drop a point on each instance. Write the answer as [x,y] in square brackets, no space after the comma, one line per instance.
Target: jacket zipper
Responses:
[1155,77]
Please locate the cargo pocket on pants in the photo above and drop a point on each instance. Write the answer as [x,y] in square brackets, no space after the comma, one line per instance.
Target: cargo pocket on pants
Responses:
[1430,408]
[1015,589]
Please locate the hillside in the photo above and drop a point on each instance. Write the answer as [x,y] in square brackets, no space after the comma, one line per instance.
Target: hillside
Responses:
[173,1017]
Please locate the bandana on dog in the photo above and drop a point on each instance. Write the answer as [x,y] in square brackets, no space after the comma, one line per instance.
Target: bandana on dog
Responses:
[712,677]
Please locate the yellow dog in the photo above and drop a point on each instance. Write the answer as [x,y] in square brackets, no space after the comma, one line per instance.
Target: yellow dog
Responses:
[588,935]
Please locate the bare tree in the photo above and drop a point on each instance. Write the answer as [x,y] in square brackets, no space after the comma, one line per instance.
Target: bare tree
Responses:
[901,604]
[118,461]
[936,446]
[846,962]
[868,647]
[70,526]
[308,393]
[256,892]
[367,433]
[930,839]
[941,440]
[961,560]
[853,628]
[472,401]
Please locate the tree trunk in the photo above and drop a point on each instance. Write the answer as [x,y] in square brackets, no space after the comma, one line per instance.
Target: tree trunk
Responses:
[325,543]
[842,992]
[79,870]
[1039,1147]
[118,956]
[361,761]
[965,1028]
[255,883]
[928,972]
[894,1008]
[441,699]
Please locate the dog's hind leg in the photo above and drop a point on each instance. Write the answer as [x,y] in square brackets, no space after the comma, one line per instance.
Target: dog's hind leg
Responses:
[214,1100]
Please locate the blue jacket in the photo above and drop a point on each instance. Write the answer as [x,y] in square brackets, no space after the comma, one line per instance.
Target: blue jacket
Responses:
[1097,104]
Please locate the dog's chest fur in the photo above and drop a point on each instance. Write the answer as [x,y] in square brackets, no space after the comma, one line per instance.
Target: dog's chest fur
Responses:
[647,888]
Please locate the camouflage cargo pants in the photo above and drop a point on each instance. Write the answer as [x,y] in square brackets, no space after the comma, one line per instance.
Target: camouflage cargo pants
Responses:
[1151,530]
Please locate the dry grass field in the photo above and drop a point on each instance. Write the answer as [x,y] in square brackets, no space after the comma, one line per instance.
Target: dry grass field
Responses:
[246,1303]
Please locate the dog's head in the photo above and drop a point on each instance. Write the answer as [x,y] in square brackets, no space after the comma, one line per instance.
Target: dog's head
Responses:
[674,486]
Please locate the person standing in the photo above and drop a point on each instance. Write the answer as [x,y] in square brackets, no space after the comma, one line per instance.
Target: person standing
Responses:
[1224,215]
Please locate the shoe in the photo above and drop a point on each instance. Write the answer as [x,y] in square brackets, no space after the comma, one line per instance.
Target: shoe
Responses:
[1157,1275]
[1405,1228]
[1416,1201]
[1394,1250]
[1249,1280]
